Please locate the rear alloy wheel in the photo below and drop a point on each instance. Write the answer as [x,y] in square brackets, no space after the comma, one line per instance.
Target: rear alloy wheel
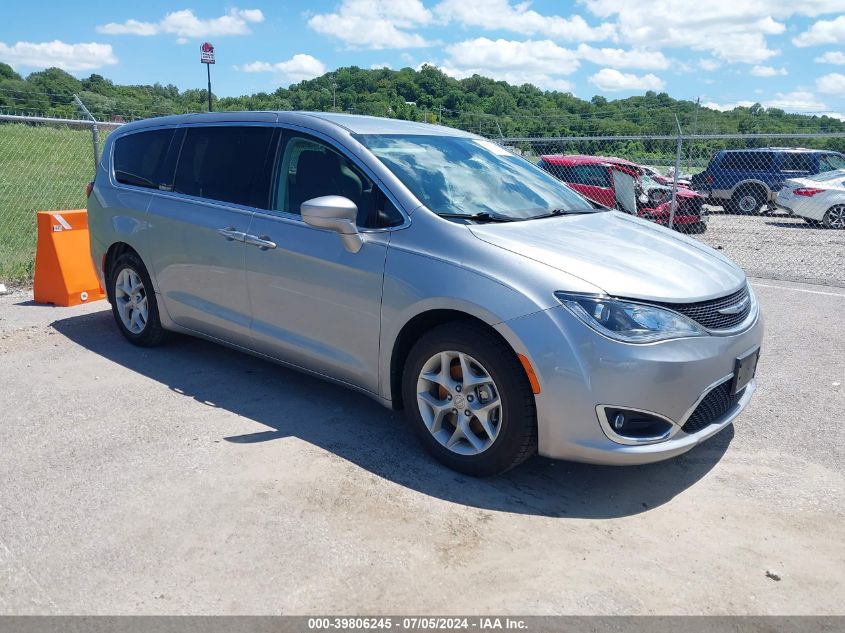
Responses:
[469,401]
[134,303]
[748,200]
[835,217]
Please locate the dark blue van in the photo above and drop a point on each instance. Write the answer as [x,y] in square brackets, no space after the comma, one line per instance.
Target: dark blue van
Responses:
[743,180]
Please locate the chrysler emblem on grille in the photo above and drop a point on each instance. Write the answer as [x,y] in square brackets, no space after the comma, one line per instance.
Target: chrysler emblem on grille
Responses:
[735,308]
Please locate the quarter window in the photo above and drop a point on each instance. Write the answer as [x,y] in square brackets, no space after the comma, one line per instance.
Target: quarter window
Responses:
[139,159]
[309,169]
[793,161]
[225,163]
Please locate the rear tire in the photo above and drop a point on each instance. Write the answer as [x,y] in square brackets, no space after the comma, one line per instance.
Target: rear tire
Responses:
[747,200]
[835,217]
[133,302]
[482,424]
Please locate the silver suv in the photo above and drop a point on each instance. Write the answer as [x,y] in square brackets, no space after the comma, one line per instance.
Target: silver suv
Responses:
[433,271]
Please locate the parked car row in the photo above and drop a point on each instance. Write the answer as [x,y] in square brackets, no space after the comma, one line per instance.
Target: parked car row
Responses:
[745,181]
[620,184]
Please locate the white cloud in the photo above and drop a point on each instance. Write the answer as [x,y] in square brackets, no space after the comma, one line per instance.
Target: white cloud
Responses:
[612,80]
[70,57]
[186,24]
[831,57]
[797,100]
[731,30]
[823,32]
[540,62]
[767,71]
[501,15]
[709,64]
[620,58]
[834,83]
[375,24]
[298,68]
[724,107]
[380,66]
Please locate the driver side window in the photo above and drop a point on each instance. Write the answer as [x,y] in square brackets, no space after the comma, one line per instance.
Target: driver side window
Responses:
[309,168]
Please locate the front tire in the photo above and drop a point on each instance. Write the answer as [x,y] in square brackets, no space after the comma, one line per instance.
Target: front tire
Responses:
[469,401]
[133,302]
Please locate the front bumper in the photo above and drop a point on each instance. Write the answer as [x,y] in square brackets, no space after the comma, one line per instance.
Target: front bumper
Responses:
[579,370]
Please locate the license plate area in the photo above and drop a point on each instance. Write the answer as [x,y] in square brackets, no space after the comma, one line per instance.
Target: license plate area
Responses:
[744,370]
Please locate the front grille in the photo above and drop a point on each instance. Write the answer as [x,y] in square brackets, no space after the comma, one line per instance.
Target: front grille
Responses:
[706,313]
[714,405]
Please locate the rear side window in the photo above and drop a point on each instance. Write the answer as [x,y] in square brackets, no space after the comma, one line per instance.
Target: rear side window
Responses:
[139,159]
[225,163]
[747,161]
[792,161]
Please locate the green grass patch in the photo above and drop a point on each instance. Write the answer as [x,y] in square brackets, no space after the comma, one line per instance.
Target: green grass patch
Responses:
[42,168]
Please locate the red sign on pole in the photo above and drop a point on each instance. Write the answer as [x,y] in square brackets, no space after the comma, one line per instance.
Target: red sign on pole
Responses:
[207,53]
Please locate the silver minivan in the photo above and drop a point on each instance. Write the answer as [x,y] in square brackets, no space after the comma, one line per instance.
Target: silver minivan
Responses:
[432,270]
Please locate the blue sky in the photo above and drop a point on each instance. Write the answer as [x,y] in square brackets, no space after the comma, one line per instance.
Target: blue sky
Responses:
[780,53]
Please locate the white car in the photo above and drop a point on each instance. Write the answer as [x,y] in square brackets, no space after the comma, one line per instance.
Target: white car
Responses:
[819,198]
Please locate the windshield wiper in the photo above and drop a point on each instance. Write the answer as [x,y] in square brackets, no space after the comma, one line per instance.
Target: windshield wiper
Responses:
[556,212]
[481,216]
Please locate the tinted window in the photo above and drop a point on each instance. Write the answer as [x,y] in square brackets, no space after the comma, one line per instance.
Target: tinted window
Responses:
[225,163]
[792,161]
[747,161]
[139,159]
[309,169]
[594,175]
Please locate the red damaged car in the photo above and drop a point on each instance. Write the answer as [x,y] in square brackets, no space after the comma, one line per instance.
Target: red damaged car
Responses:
[620,184]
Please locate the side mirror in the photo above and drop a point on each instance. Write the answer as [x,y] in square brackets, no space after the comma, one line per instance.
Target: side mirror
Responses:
[337,214]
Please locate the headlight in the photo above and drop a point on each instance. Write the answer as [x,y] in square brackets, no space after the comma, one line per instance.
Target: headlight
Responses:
[627,321]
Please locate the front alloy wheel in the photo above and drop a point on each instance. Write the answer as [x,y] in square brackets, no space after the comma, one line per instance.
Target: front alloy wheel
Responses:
[459,403]
[468,399]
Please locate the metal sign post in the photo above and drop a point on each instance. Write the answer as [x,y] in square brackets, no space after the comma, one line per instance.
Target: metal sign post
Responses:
[207,58]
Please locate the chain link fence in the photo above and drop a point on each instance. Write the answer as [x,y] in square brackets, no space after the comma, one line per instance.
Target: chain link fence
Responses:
[773,203]
[44,166]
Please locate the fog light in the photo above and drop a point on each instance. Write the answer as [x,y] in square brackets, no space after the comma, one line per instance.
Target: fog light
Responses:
[618,421]
[636,425]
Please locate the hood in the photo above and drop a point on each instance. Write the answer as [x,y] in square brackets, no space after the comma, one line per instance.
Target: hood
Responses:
[621,254]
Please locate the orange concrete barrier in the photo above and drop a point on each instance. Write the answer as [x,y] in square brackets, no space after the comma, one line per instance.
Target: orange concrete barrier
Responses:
[64,272]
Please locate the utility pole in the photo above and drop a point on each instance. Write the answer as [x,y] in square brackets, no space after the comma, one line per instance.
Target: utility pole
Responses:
[694,129]
[334,96]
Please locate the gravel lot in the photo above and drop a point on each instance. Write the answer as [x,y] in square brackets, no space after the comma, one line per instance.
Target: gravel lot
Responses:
[194,479]
[779,246]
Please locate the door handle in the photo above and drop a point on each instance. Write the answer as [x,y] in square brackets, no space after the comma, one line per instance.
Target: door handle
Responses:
[231,234]
[263,242]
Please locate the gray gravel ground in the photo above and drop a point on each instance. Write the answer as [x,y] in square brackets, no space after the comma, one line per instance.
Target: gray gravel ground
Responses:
[779,246]
[194,479]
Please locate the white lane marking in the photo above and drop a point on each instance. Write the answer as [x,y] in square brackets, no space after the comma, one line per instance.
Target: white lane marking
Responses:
[812,292]
[62,221]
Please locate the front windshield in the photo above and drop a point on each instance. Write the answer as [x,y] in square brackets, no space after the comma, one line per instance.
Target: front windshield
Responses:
[828,162]
[463,176]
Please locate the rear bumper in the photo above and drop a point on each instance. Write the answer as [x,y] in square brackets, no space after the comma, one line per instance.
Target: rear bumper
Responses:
[580,371]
